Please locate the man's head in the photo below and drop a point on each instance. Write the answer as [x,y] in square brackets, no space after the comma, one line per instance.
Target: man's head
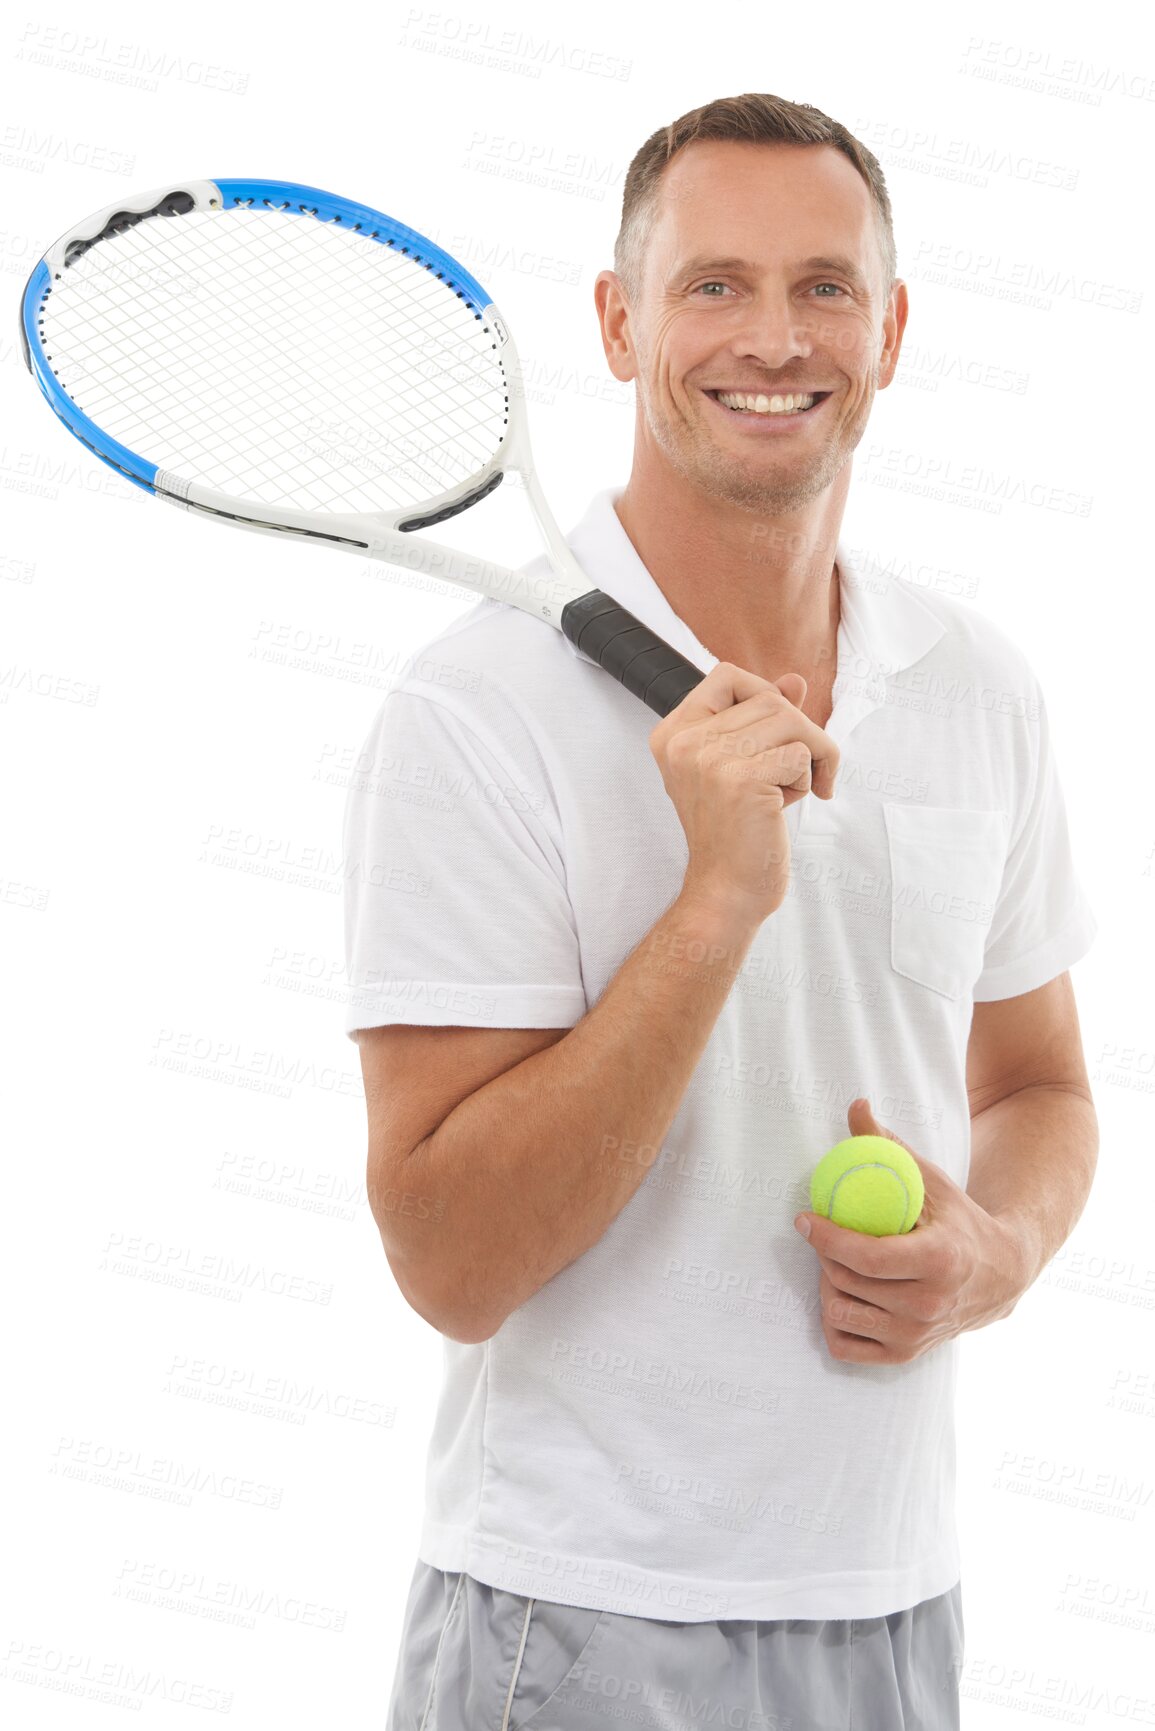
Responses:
[756,255]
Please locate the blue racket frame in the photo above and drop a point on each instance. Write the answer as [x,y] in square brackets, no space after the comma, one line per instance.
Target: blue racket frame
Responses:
[207,195]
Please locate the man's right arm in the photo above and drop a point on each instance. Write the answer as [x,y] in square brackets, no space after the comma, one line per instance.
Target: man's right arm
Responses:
[526,1170]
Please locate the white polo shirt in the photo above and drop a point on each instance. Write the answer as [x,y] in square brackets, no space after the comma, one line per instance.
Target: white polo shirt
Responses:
[661,1431]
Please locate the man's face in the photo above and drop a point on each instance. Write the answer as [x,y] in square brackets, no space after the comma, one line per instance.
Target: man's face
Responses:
[775,325]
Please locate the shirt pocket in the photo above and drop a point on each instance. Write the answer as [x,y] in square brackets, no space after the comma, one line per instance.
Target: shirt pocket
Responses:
[946,865]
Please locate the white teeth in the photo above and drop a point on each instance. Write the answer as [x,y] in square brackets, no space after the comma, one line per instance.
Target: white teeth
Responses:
[761,405]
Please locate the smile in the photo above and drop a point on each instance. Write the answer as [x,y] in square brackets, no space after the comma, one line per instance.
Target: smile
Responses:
[747,405]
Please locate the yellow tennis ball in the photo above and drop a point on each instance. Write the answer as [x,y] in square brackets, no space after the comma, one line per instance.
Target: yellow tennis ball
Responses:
[869,1184]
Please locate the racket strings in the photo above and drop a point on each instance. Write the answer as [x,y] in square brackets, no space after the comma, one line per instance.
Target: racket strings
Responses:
[280,359]
[281,452]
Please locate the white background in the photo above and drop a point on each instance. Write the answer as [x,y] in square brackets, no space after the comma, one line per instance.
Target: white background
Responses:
[218,1403]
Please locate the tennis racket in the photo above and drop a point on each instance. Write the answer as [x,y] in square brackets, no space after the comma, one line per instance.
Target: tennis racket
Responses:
[278,358]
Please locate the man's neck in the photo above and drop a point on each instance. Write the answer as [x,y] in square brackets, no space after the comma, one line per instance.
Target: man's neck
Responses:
[743,587]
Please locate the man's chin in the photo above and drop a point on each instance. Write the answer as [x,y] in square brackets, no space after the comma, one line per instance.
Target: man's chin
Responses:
[749,486]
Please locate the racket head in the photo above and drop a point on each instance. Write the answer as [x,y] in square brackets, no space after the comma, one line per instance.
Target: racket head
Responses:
[278,346]
[194,336]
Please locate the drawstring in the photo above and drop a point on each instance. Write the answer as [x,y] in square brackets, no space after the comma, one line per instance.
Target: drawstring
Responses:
[517,1666]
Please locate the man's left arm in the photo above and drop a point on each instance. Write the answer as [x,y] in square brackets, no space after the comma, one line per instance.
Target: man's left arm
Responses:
[1034,1130]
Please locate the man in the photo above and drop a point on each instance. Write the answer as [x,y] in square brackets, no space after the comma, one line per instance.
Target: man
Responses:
[685,1460]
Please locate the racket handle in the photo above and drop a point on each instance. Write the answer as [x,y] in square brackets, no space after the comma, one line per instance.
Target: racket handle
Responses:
[636,656]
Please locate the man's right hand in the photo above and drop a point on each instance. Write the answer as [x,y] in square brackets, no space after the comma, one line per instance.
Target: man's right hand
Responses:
[733,755]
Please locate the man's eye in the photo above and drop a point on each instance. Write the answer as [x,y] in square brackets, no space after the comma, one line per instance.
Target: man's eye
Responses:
[711,284]
[832,285]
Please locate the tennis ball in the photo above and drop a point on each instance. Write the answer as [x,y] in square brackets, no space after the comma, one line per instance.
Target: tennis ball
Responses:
[869,1184]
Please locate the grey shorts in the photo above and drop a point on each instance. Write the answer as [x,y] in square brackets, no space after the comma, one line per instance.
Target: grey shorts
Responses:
[476,1658]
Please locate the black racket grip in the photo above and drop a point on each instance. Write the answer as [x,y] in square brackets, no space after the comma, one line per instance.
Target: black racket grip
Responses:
[636,656]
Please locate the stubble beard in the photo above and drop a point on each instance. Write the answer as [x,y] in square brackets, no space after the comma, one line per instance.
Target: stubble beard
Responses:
[768,488]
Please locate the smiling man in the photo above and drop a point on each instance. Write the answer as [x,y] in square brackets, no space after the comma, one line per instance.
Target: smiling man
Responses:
[694,1453]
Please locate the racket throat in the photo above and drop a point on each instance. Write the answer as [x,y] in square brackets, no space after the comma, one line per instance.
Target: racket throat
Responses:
[426,518]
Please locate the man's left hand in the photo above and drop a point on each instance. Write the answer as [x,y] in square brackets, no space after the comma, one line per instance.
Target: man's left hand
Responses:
[888,1300]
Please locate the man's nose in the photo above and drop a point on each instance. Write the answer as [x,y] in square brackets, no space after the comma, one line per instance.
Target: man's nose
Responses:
[775,331]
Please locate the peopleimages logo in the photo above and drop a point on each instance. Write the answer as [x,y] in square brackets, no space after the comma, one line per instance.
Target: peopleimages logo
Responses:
[505,50]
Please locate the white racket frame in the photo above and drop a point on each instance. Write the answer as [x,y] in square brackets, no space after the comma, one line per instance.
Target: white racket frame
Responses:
[375,535]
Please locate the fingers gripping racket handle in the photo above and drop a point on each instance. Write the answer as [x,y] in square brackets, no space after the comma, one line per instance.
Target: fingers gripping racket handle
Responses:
[636,656]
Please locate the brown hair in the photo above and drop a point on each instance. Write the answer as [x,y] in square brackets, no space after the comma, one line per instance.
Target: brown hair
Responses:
[754,118]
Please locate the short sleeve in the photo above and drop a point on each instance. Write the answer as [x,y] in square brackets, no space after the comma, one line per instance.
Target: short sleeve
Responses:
[456,911]
[1042,921]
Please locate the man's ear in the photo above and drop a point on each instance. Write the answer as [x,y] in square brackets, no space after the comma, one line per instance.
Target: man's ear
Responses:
[893,325]
[614,322]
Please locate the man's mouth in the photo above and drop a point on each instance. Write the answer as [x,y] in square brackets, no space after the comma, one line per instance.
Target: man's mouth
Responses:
[756,403]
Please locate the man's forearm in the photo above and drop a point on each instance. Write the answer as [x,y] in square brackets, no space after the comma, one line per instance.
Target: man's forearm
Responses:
[529,1171]
[1033,1158]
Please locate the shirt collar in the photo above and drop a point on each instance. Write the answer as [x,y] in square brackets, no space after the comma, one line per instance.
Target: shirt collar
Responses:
[885,626]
